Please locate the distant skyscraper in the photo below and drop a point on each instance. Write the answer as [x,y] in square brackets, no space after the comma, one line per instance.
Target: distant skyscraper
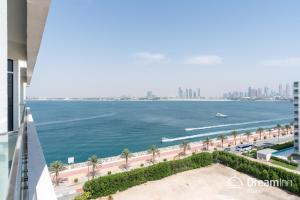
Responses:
[280,90]
[190,93]
[149,95]
[266,91]
[259,93]
[194,95]
[186,93]
[288,91]
[198,93]
[249,92]
[180,93]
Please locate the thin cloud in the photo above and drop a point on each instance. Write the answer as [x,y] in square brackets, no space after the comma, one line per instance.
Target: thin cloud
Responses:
[204,60]
[148,57]
[282,62]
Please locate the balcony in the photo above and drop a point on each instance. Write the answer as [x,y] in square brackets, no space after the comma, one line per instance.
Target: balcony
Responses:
[28,173]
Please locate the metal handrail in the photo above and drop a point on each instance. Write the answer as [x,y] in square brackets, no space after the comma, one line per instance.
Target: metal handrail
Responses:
[15,175]
[9,132]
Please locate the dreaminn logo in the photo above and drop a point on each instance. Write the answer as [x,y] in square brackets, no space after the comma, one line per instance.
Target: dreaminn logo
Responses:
[236,182]
[251,182]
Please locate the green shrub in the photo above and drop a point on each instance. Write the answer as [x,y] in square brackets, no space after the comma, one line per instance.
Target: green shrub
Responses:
[251,154]
[110,184]
[259,170]
[282,146]
[285,161]
[83,196]
[109,172]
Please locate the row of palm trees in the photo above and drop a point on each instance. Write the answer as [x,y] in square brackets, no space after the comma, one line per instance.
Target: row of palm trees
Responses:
[95,162]
[279,127]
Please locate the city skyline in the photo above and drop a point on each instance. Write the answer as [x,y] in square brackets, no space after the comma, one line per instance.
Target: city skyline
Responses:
[220,46]
[263,92]
[282,92]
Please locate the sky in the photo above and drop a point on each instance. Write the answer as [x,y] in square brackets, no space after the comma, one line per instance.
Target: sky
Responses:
[94,48]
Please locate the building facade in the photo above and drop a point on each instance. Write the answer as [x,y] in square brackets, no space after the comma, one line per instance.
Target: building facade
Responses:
[23,170]
[296,117]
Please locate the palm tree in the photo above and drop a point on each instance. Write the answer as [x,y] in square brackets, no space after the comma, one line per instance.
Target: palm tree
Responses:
[234,134]
[270,131]
[207,142]
[287,127]
[185,146]
[283,131]
[278,129]
[260,130]
[154,151]
[126,154]
[248,133]
[222,137]
[56,167]
[94,161]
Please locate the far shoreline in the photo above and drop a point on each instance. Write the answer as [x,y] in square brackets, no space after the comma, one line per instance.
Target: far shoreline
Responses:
[159,100]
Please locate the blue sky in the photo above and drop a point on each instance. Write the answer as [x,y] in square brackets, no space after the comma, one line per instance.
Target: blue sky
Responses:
[96,48]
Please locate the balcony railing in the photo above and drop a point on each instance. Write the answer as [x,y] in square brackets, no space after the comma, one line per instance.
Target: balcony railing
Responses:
[29,177]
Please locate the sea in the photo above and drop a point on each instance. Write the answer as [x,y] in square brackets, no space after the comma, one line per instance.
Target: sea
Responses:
[80,129]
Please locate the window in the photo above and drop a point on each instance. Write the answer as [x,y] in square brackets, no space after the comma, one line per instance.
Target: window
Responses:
[10,93]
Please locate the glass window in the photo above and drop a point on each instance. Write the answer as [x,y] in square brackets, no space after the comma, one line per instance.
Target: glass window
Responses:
[10,65]
[10,93]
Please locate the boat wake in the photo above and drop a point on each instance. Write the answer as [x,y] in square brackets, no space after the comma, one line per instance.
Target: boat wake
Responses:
[74,120]
[235,124]
[165,139]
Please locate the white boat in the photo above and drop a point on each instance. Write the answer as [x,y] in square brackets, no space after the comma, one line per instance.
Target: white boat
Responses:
[220,115]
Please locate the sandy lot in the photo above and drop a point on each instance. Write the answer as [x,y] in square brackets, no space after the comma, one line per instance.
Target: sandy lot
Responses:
[216,182]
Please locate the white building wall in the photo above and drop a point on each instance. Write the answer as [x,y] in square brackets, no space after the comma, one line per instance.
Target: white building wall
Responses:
[3,66]
[297,116]
[16,98]
[3,99]
[19,68]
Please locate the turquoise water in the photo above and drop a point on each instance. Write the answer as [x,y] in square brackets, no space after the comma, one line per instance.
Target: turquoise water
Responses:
[83,128]
[284,152]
